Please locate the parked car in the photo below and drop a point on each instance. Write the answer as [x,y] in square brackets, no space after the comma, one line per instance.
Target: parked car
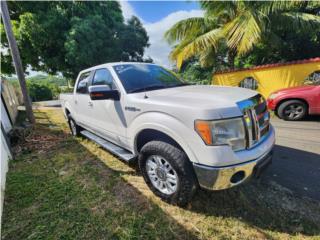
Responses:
[296,102]
[182,136]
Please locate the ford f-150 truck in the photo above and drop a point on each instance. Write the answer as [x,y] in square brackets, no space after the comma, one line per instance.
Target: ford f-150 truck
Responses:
[182,136]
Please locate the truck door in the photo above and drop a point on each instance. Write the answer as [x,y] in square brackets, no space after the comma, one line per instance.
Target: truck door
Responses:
[82,100]
[108,122]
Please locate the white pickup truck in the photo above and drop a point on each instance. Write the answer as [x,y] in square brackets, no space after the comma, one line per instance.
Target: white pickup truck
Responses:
[183,136]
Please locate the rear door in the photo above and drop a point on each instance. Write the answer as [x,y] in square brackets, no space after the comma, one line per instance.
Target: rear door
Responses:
[107,113]
[82,100]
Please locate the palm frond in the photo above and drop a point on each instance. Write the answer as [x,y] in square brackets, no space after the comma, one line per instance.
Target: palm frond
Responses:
[302,20]
[201,43]
[185,28]
[206,57]
[274,7]
[219,8]
[244,31]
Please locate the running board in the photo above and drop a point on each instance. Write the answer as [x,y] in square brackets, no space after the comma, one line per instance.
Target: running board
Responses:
[113,148]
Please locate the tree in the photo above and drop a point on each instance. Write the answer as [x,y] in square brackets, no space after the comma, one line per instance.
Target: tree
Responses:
[67,37]
[16,60]
[134,50]
[239,25]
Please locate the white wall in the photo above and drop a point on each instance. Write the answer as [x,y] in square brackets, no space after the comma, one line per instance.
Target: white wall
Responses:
[5,118]
[5,156]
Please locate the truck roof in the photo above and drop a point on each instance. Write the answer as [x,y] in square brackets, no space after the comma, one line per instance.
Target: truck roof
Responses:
[113,64]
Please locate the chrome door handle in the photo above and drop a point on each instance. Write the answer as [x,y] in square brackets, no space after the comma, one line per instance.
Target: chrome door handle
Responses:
[90,104]
[75,101]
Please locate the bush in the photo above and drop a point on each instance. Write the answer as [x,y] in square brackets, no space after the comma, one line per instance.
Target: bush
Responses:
[43,88]
[39,92]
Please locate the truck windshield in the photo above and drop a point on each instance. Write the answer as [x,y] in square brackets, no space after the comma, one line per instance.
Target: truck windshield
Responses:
[145,77]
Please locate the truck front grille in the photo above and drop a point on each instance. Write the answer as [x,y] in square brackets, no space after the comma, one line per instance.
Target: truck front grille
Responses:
[256,119]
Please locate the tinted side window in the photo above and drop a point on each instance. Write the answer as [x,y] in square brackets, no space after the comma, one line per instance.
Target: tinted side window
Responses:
[83,83]
[103,77]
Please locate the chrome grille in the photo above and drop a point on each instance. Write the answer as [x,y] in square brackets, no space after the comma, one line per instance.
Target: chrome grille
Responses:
[256,119]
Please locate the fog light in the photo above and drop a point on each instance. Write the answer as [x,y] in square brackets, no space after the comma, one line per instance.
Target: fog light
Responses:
[237,177]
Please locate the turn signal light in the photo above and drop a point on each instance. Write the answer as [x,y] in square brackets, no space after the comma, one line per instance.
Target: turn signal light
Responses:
[203,128]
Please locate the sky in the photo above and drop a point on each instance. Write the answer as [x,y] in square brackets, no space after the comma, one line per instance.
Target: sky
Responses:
[157,17]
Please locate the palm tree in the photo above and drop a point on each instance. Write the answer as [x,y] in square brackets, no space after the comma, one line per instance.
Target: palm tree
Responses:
[239,25]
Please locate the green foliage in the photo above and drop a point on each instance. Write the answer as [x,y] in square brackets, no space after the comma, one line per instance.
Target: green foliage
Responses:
[192,72]
[43,88]
[67,37]
[244,27]
[289,46]
[39,92]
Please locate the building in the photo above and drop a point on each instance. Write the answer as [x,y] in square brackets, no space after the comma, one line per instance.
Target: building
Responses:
[271,77]
[9,112]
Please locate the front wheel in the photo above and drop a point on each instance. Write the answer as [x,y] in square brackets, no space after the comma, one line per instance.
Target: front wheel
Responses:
[292,110]
[168,172]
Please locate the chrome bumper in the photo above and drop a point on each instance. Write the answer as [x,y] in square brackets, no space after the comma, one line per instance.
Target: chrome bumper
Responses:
[218,178]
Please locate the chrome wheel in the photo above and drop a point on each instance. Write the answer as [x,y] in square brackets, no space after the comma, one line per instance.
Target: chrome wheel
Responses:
[294,111]
[161,174]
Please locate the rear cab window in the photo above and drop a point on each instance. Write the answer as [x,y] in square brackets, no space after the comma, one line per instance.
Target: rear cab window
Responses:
[83,83]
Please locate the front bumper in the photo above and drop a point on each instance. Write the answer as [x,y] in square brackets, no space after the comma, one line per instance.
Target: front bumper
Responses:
[218,178]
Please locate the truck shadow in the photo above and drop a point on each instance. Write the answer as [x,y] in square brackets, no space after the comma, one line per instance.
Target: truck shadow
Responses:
[296,170]
[287,191]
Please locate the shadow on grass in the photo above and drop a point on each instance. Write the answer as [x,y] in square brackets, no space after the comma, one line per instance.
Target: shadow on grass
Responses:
[66,191]
[60,190]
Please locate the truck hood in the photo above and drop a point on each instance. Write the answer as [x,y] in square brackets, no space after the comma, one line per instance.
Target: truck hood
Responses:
[221,100]
[202,95]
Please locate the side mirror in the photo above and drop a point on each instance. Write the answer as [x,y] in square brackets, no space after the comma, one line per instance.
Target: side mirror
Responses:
[103,92]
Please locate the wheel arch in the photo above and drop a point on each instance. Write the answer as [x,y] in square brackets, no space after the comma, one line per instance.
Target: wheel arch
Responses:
[293,98]
[158,125]
[151,134]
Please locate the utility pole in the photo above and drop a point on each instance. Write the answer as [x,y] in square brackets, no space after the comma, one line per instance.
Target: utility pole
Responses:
[16,60]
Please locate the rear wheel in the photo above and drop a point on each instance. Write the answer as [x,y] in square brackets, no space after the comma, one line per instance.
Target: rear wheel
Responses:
[74,128]
[292,110]
[168,172]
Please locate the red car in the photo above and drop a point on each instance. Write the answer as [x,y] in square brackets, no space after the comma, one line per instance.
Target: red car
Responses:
[295,103]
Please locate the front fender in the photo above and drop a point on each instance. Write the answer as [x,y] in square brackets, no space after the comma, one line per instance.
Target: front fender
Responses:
[165,123]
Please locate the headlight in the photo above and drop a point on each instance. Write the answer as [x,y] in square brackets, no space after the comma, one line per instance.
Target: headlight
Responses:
[223,132]
[273,95]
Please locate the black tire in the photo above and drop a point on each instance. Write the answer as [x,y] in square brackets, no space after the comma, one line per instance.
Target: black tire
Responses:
[292,110]
[187,182]
[74,128]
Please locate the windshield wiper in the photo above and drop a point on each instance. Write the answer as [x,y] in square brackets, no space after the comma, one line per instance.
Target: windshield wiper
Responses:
[179,85]
[151,87]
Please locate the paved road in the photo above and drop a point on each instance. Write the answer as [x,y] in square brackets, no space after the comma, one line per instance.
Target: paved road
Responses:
[296,162]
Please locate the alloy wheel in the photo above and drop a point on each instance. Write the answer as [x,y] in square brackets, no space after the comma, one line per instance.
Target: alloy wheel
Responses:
[161,174]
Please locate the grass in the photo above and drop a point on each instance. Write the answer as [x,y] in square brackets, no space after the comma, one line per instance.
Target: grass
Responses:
[60,187]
